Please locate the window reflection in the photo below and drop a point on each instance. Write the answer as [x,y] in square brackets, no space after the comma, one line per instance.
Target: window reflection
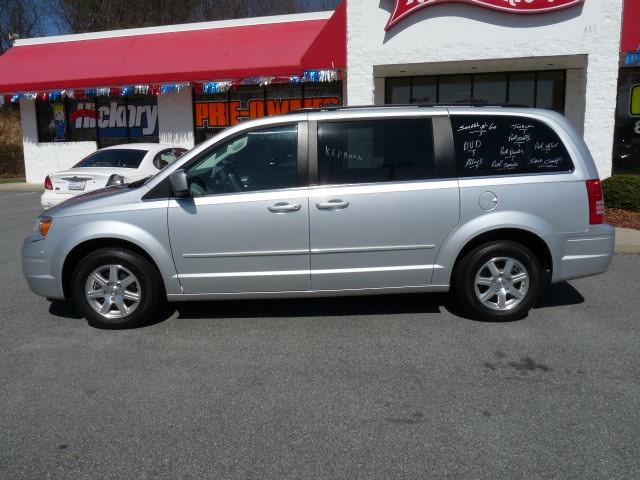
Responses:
[543,89]
[490,88]
[425,90]
[522,88]
[549,91]
[398,90]
[454,89]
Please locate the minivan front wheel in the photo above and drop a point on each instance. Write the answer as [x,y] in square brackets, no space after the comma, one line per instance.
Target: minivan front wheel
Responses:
[498,281]
[116,288]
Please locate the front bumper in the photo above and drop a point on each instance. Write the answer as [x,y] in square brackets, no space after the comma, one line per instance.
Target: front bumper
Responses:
[37,270]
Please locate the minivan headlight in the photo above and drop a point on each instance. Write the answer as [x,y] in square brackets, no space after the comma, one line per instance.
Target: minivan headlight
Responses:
[43,226]
[116,180]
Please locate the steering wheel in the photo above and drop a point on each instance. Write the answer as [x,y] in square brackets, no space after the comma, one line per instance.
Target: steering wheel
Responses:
[224,174]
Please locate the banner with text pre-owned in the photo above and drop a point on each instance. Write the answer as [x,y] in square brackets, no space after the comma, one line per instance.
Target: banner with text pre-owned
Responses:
[213,112]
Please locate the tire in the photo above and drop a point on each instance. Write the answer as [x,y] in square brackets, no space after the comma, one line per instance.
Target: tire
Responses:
[126,288]
[486,291]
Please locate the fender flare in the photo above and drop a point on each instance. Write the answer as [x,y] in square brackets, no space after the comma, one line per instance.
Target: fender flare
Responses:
[137,236]
[456,242]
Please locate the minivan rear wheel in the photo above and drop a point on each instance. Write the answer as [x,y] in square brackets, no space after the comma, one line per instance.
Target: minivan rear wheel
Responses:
[498,281]
[116,288]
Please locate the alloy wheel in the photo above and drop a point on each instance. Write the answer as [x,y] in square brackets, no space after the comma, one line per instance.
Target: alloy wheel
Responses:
[113,291]
[502,283]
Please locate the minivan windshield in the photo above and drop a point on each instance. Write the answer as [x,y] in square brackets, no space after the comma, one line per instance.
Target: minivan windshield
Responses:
[113,158]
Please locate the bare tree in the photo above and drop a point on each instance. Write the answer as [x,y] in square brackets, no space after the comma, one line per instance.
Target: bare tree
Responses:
[76,16]
[225,9]
[18,18]
[222,9]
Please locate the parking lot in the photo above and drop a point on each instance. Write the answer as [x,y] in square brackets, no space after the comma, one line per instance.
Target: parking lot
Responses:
[391,387]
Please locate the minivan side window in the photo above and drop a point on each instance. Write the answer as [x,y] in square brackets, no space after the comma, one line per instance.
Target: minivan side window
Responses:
[369,151]
[488,145]
[263,159]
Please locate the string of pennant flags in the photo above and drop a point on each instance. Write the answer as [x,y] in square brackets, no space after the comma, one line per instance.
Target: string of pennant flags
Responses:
[222,86]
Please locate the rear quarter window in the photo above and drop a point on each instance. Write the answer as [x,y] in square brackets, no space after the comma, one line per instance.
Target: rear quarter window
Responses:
[113,158]
[498,145]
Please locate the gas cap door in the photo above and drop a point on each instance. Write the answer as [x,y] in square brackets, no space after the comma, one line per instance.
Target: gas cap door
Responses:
[488,201]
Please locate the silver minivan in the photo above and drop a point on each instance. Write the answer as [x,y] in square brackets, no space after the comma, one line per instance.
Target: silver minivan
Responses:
[490,203]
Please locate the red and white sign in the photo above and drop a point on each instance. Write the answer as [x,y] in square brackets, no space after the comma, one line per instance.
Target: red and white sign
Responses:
[630,29]
[404,8]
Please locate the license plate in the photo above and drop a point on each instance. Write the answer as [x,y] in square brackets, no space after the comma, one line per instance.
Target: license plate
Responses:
[76,186]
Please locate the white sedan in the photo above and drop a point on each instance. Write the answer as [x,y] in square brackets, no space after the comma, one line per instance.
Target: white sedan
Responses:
[109,166]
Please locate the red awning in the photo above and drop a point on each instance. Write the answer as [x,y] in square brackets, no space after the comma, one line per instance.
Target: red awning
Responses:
[630,28]
[273,49]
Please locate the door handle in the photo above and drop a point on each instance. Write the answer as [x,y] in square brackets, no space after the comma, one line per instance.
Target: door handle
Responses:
[335,204]
[285,207]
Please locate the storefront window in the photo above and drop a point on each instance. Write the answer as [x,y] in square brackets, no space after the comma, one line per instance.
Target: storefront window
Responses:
[549,89]
[545,89]
[127,120]
[522,88]
[82,120]
[398,90]
[214,112]
[454,89]
[490,87]
[109,120]
[626,145]
[424,90]
[53,123]
[246,102]
[319,94]
[283,91]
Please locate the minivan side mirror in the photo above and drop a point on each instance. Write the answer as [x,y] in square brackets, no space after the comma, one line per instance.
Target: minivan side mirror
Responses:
[179,185]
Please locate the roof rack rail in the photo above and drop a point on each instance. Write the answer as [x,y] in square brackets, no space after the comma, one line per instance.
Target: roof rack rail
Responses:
[474,103]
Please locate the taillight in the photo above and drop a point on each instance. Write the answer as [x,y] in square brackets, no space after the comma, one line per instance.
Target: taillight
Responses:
[596,202]
[47,183]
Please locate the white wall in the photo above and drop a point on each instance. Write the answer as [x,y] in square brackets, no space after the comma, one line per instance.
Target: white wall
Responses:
[41,159]
[450,33]
[175,117]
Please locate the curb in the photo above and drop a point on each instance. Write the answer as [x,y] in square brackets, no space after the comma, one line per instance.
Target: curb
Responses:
[627,241]
[21,187]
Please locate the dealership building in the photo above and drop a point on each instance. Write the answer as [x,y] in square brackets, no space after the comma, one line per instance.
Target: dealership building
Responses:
[181,84]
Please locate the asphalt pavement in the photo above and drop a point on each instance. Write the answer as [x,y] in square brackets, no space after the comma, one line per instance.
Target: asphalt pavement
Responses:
[393,387]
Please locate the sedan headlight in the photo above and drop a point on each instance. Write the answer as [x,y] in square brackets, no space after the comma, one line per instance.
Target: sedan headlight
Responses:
[116,180]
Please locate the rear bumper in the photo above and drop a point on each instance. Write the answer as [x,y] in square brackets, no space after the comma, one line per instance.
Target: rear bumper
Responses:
[37,270]
[50,199]
[586,255]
